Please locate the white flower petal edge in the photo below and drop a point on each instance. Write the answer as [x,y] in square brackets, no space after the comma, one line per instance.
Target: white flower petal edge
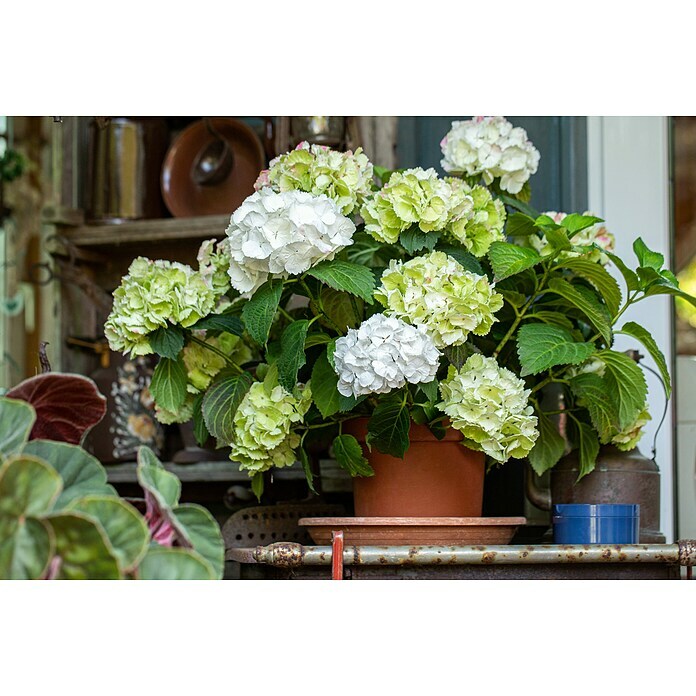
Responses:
[382,354]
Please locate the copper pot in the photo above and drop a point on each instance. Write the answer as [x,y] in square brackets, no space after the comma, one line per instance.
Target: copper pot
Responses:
[436,478]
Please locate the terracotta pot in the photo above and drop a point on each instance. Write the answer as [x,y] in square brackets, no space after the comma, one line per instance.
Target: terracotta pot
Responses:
[436,478]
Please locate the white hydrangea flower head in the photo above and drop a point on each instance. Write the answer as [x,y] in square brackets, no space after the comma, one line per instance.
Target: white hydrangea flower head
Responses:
[628,438]
[345,177]
[490,147]
[382,354]
[263,422]
[152,295]
[438,294]
[489,405]
[281,234]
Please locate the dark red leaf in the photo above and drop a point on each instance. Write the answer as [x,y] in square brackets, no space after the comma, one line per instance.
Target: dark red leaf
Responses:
[66,405]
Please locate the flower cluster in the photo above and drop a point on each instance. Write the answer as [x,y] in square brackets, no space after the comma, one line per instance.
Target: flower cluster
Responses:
[597,234]
[263,435]
[628,438]
[213,264]
[413,197]
[489,405]
[345,177]
[203,364]
[479,221]
[438,294]
[281,234]
[490,147]
[382,354]
[154,294]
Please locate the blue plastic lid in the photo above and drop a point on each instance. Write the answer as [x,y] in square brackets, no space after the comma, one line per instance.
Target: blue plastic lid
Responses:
[599,510]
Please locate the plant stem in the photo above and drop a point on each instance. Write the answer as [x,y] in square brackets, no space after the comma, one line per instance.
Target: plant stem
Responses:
[226,358]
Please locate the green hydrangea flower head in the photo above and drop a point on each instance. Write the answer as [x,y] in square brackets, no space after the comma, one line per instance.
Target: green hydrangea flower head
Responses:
[628,438]
[437,293]
[489,405]
[182,415]
[151,295]
[263,435]
[345,177]
[413,197]
[203,364]
[213,265]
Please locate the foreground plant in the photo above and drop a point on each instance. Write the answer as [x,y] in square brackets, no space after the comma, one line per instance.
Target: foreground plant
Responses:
[403,297]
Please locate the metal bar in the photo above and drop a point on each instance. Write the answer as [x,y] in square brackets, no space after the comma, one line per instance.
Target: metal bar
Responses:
[337,555]
[286,554]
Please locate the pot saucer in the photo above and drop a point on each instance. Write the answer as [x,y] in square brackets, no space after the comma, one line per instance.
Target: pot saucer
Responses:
[414,531]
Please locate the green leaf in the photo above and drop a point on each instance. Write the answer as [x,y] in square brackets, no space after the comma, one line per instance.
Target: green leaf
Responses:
[367,251]
[307,468]
[517,204]
[167,341]
[382,173]
[164,486]
[646,257]
[389,425]
[257,485]
[520,225]
[349,455]
[632,282]
[643,335]
[168,385]
[83,548]
[549,447]
[348,403]
[668,290]
[220,322]
[458,355]
[28,486]
[575,222]
[626,382]
[200,431]
[541,346]
[347,277]
[124,526]
[414,239]
[338,310]
[292,356]
[200,529]
[162,563]
[509,259]
[324,391]
[555,319]
[558,239]
[463,258]
[588,446]
[17,418]
[259,311]
[220,404]
[599,277]
[592,392]
[589,307]
[26,548]
[430,389]
[82,474]
[316,339]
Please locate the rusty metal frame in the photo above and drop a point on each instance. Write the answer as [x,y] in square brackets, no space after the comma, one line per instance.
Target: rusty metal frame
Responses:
[288,555]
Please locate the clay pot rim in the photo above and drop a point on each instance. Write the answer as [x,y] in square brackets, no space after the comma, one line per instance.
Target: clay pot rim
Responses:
[417,433]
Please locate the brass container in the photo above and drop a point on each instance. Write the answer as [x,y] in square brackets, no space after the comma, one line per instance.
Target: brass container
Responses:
[619,477]
[123,169]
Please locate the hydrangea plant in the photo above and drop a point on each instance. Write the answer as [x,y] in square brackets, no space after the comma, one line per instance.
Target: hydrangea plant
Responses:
[352,291]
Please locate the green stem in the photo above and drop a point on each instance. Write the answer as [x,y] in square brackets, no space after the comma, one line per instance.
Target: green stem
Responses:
[226,358]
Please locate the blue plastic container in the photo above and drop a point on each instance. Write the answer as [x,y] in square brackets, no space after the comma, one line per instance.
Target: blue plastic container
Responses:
[596,524]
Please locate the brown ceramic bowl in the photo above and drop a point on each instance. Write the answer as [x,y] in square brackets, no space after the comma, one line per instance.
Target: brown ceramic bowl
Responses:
[183,196]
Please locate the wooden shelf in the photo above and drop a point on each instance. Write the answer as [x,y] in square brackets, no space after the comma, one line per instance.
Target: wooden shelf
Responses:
[143,231]
[221,472]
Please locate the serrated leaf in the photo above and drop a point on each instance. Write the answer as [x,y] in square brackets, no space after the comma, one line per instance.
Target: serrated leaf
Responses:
[220,404]
[200,432]
[541,346]
[414,239]
[430,389]
[590,308]
[659,289]
[347,277]
[349,455]
[463,257]
[389,425]
[517,204]
[625,380]
[316,339]
[338,310]
[592,393]
[167,341]
[554,318]
[630,277]
[458,355]
[575,222]
[324,391]
[643,335]
[348,403]
[520,225]
[259,311]
[549,447]
[221,322]
[588,449]
[509,259]
[168,384]
[257,485]
[367,251]
[17,418]
[646,257]
[599,277]
[292,356]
